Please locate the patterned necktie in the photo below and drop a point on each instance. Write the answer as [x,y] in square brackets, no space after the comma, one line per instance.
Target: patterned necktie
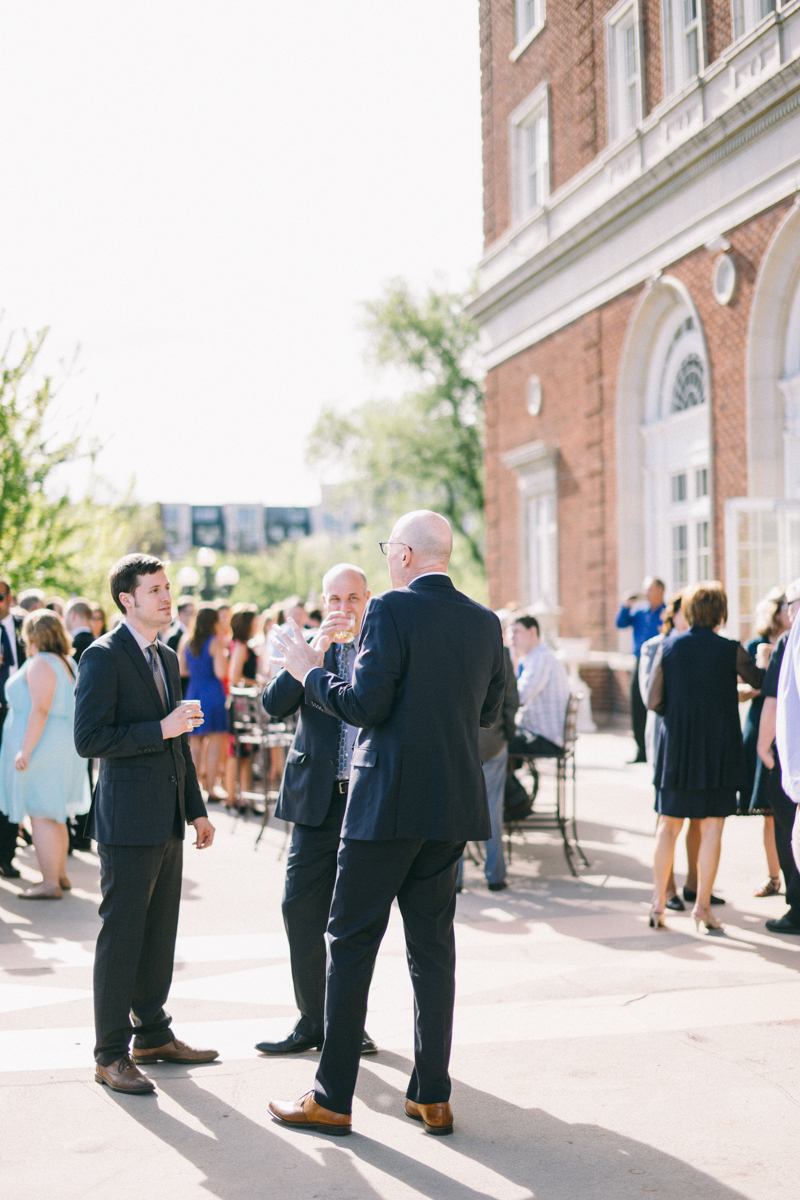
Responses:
[158,678]
[342,651]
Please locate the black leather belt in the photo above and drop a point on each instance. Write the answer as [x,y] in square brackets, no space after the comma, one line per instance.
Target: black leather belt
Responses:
[341,786]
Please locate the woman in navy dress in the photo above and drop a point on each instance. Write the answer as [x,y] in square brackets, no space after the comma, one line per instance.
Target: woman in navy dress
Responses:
[700,764]
[203,657]
[772,619]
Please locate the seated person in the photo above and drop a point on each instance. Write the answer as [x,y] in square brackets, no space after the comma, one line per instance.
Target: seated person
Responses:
[543,686]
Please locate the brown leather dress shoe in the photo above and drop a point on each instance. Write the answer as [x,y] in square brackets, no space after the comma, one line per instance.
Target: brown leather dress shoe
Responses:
[124,1076]
[437,1118]
[173,1051]
[305,1113]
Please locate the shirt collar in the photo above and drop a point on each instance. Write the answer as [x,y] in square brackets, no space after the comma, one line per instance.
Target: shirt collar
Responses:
[427,574]
[83,629]
[141,641]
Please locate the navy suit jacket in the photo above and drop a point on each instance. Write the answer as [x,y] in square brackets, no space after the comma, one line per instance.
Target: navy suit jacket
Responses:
[307,784]
[118,715]
[428,673]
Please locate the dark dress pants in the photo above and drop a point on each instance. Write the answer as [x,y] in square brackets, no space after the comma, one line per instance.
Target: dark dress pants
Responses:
[307,895]
[135,952]
[422,875]
[783,811]
[524,742]
[638,714]
[8,831]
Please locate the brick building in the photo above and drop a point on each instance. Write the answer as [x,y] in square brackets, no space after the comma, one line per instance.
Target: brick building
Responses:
[639,301]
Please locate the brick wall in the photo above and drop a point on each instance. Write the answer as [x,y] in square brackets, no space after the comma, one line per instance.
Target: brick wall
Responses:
[570,55]
[579,367]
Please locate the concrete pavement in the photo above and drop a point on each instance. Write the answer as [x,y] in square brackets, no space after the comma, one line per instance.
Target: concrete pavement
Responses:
[592,1057]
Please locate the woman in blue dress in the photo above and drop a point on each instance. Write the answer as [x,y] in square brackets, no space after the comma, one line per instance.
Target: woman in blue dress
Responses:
[41,775]
[203,657]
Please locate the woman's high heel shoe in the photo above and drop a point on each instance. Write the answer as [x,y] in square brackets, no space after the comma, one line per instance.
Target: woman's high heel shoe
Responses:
[704,916]
[657,918]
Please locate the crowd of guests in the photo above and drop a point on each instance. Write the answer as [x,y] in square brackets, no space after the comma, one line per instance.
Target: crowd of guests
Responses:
[43,782]
[709,765]
[685,701]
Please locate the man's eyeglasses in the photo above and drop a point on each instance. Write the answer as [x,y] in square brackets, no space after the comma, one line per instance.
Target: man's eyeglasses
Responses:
[5,595]
[383,546]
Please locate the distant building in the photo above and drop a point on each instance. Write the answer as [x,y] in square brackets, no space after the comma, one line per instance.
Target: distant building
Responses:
[639,301]
[249,528]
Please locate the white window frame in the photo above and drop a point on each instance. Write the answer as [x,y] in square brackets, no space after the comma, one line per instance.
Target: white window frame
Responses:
[532,113]
[523,9]
[622,17]
[675,37]
[747,14]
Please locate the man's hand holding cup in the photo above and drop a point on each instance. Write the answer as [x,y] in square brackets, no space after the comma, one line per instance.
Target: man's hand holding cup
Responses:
[184,718]
[337,627]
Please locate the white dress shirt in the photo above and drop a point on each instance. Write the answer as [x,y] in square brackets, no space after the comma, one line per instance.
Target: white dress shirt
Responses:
[143,643]
[11,632]
[543,686]
[787,734]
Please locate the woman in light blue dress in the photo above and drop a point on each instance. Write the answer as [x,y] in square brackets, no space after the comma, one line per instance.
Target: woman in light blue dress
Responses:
[41,775]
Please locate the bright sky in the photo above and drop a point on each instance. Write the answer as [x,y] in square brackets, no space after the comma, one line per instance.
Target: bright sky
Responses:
[202,194]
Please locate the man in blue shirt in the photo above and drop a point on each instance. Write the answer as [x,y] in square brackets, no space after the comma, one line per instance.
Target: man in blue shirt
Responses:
[643,613]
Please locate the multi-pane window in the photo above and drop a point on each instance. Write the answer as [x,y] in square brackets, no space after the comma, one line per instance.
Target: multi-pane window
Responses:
[543,549]
[679,488]
[680,555]
[535,162]
[701,483]
[682,42]
[531,153]
[530,16]
[748,13]
[624,73]
[703,551]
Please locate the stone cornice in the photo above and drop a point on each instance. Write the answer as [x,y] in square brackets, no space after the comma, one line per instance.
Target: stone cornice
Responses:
[754,86]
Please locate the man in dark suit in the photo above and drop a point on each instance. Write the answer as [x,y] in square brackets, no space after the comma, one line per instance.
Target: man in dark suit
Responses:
[313,796]
[12,656]
[126,716]
[176,632]
[429,671]
[77,618]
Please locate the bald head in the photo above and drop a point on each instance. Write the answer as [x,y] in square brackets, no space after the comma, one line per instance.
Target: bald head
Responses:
[421,541]
[354,577]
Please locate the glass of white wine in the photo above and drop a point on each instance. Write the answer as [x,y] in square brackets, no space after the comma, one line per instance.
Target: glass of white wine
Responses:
[346,635]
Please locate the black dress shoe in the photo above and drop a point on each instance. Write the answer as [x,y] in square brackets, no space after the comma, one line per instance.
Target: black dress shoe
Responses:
[691,897]
[676,904]
[295,1043]
[9,871]
[783,924]
[500,886]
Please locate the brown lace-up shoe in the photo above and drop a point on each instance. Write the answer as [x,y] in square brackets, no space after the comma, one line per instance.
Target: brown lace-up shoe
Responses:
[305,1113]
[124,1076]
[437,1118]
[173,1051]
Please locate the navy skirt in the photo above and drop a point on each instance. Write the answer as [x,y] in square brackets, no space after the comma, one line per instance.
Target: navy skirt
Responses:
[695,805]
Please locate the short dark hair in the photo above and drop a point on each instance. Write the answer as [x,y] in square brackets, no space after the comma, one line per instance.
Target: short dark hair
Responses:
[184,602]
[527,621]
[242,622]
[124,575]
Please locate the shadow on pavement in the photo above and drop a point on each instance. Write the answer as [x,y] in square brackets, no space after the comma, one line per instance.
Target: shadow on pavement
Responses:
[549,1159]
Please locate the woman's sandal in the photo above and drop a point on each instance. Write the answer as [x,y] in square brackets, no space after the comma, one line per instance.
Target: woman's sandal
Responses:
[771,888]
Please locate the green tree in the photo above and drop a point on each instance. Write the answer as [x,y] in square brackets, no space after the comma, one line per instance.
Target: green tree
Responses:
[425,450]
[34,527]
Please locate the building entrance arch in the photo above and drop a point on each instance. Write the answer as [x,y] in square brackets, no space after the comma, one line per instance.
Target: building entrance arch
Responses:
[663,442]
